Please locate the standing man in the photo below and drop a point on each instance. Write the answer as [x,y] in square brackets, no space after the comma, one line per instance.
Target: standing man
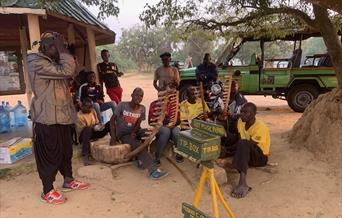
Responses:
[206,72]
[53,114]
[166,75]
[108,74]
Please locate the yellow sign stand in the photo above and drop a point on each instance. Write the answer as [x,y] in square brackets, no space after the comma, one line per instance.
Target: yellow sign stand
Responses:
[208,174]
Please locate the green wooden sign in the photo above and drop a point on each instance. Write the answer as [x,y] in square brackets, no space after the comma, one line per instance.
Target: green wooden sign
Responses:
[209,127]
[199,145]
[190,211]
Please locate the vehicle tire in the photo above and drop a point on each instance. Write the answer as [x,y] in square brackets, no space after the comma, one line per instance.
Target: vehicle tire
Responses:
[182,91]
[300,96]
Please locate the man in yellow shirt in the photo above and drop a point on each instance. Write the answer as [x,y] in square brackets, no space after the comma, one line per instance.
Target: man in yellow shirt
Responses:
[252,149]
[190,109]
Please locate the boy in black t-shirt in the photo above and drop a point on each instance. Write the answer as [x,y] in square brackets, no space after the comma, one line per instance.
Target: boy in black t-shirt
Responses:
[95,93]
[108,74]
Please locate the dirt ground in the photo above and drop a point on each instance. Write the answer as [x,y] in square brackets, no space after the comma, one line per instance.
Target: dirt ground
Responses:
[299,186]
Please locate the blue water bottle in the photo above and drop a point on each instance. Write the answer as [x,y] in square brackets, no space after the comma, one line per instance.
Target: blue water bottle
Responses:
[20,115]
[9,109]
[4,120]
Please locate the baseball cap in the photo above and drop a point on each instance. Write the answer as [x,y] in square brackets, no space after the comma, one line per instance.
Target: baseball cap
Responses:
[165,54]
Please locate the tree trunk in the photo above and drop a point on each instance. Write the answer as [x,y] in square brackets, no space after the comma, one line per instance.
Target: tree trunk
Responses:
[320,127]
[331,40]
[331,4]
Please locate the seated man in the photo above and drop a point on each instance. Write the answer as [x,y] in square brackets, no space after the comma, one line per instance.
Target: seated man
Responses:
[190,109]
[165,133]
[128,117]
[252,149]
[236,101]
[88,128]
[95,93]
[206,72]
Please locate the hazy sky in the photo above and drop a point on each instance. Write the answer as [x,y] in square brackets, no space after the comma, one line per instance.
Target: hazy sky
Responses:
[128,16]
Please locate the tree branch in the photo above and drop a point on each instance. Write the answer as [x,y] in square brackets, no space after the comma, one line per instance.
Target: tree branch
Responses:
[213,24]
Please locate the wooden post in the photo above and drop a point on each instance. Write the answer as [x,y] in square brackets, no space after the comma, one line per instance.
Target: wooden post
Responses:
[23,46]
[34,30]
[92,51]
[71,34]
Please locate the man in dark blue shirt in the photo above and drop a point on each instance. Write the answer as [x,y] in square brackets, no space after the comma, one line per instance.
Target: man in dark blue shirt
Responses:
[206,72]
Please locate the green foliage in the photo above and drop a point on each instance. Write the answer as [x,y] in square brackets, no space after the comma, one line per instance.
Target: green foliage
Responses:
[313,46]
[274,49]
[271,18]
[106,7]
[144,46]
[278,49]
[124,63]
[224,16]
[140,47]
[246,51]
[196,44]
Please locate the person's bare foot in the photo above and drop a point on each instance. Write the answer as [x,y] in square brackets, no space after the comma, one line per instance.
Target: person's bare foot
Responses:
[240,191]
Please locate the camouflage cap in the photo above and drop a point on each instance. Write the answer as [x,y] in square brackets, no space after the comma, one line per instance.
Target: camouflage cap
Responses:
[48,37]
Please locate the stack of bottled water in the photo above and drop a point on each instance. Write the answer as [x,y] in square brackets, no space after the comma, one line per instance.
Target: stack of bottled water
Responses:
[12,117]
[4,119]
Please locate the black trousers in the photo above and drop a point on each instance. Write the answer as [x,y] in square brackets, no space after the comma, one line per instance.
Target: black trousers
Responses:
[228,145]
[145,157]
[88,133]
[248,154]
[53,152]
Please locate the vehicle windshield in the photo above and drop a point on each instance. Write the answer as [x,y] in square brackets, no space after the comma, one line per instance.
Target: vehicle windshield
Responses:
[281,54]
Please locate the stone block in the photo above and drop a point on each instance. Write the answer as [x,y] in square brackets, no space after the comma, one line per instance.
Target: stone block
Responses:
[101,151]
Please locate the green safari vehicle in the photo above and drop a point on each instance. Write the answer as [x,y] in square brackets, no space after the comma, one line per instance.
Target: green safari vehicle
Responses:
[291,79]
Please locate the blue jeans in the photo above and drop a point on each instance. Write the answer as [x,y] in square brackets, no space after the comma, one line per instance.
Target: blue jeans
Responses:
[163,136]
[103,107]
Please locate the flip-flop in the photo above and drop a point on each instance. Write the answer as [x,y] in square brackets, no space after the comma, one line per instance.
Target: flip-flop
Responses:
[234,195]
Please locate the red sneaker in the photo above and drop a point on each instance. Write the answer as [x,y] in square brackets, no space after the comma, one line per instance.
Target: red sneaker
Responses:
[74,185]
[53,197]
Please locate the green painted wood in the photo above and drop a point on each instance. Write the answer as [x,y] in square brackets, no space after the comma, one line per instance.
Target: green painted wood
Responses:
[190,211]
[209,127]
[199,145]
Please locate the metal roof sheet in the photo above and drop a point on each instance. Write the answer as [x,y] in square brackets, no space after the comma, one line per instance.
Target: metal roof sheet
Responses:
[70,8]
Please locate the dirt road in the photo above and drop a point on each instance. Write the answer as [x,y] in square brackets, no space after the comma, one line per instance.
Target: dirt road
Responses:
[299,186]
